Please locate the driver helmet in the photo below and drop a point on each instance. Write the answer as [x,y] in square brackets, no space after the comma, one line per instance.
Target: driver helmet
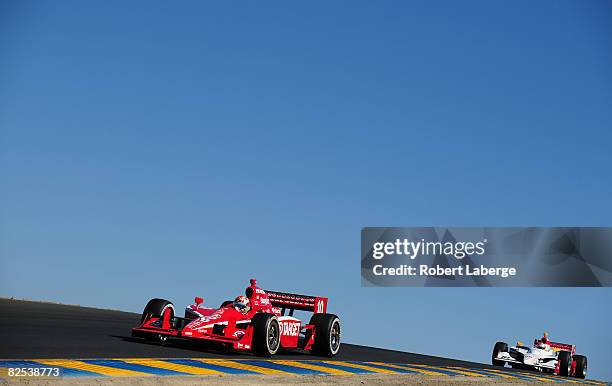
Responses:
[543,342]
[242,304]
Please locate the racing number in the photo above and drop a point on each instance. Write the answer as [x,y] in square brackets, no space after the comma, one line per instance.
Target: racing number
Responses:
[320,306]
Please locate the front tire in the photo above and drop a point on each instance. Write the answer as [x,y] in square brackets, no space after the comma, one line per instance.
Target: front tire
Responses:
[157,308]
[581,366]
[565,363]
[499,347]
[266,334]
[327,334]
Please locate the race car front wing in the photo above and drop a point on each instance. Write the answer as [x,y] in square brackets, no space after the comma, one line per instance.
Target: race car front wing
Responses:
[506,357]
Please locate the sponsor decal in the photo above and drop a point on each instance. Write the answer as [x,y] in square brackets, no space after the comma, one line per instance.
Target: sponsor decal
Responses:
[200,323]
[290,328]
[238,334]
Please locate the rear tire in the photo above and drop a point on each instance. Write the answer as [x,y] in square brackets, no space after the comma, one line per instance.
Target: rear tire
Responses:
[581,366]
[327,334]
[266,334]
[565,363]
[499,347]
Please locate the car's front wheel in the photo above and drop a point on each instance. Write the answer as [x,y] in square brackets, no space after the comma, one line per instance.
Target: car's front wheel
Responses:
[157,308]
[499,348]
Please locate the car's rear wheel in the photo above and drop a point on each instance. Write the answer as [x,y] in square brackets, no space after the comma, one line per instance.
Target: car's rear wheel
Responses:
[327,334]
[266,334]
[565,363]
[499,348]
[581,366]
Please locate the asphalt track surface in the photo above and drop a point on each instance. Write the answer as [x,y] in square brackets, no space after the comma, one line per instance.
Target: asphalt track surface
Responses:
[46,330]
[38,330]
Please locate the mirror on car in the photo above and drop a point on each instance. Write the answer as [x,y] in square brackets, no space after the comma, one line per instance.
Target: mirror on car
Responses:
[198,300]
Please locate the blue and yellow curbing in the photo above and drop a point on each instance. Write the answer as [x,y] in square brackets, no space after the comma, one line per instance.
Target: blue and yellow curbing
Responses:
[146,367]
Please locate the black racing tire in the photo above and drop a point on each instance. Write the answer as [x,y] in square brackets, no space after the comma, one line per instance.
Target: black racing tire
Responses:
[156,307]
[499,347]
[565,363]
[327,331]
[581,366]
[266,334]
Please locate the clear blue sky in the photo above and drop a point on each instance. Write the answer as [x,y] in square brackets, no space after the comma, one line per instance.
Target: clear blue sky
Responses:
[177,149]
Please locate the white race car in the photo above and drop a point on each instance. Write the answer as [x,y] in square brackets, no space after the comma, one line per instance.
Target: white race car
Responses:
[555,358]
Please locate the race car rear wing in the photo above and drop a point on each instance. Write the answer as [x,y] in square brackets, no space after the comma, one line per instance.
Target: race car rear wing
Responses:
[561,347]
[289,301]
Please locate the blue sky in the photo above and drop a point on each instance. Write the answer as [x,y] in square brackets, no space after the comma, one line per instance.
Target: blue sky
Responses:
[154,149]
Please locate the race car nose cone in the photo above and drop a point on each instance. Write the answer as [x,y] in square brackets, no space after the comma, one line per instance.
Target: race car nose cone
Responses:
[529,358]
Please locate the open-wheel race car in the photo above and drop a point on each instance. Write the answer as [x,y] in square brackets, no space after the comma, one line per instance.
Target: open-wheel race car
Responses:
[261,322]
[546,357]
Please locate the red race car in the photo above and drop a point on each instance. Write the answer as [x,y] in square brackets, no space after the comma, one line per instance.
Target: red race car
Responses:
[261,322]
